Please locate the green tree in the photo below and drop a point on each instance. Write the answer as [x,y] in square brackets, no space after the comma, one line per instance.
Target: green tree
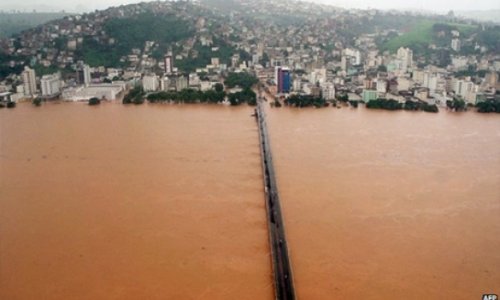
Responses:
[243,80]
[37,101]
[135,96]
[94,101]
[457,104]
[219,87]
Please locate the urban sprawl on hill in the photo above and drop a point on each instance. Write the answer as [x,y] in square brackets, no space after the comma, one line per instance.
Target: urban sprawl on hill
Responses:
[300,53]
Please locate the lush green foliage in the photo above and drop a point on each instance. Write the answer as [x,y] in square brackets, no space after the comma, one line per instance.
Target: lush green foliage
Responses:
[94,101]
[245,96]
[342,97]
[305,101]
[381,103]
[219,87]
[243,80]
[456,104]
[5,69]
[188,96]
[489,106]
[37,101]
[96,53]
[41,70]
[412,105]
[132,33]
[135,31]
[430,108]
[420,34]
[491,38]
[135,96]
[424,32]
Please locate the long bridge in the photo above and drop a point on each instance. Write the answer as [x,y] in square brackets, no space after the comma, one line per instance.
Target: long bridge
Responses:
[282,271]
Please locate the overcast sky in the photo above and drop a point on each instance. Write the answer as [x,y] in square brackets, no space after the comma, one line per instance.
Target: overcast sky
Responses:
[429,5]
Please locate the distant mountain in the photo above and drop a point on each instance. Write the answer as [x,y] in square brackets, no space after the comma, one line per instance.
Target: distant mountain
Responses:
[12,23]
[481,15]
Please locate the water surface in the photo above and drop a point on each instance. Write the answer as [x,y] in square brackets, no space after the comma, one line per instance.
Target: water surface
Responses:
[131,202]
[389,205]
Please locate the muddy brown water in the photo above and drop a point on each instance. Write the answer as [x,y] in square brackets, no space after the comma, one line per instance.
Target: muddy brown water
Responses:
[139,202]
[389,205]
[166,202]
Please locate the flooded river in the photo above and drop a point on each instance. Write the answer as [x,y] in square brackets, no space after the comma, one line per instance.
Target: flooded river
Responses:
[139,202]
[166,202]
[389,205]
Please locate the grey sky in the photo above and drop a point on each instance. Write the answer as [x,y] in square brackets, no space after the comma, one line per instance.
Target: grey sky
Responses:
[428,5]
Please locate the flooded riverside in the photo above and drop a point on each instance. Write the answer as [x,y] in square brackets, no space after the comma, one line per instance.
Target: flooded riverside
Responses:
[389,205]
[132,202]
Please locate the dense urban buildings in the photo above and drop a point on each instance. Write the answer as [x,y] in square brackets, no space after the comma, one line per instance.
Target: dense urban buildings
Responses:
[326,52]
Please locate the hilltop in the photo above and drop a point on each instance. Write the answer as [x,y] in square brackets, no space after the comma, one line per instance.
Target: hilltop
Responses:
[15,22]
[138,35]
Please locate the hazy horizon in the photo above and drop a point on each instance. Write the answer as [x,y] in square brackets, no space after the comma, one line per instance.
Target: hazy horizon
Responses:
[426,5]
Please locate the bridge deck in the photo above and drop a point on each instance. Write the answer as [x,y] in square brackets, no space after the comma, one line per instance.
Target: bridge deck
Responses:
[282,270]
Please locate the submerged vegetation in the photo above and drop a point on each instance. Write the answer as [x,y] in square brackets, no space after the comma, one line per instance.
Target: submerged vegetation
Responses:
[489,106]
[134,96]
[94,101]
[187,96]
[305,101]
[391,104]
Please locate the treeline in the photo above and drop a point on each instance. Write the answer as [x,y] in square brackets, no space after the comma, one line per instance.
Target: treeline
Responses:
[246,96]
[456,104]
[391,104]
[134,96]
[216,95]
[305,101]
[187,96]
[489,106]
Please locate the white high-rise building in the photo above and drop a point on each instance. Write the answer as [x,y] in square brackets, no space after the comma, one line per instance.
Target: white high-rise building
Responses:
[328,91]
[405,55]
[150,83]
[164,83]
[29,80]
[431,81]
[354,54]
[456,45]
[181,83]
[87,78]
[297,85]
[467,90]
[51,85]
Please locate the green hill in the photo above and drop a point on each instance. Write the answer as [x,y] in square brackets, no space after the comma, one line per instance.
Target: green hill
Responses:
[12,23]
[425,32]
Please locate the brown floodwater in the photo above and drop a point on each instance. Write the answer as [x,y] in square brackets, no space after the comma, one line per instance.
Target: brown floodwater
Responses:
[131,202]
[389,205]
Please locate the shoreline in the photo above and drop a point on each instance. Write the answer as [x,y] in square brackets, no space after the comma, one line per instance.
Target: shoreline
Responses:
[206,104]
